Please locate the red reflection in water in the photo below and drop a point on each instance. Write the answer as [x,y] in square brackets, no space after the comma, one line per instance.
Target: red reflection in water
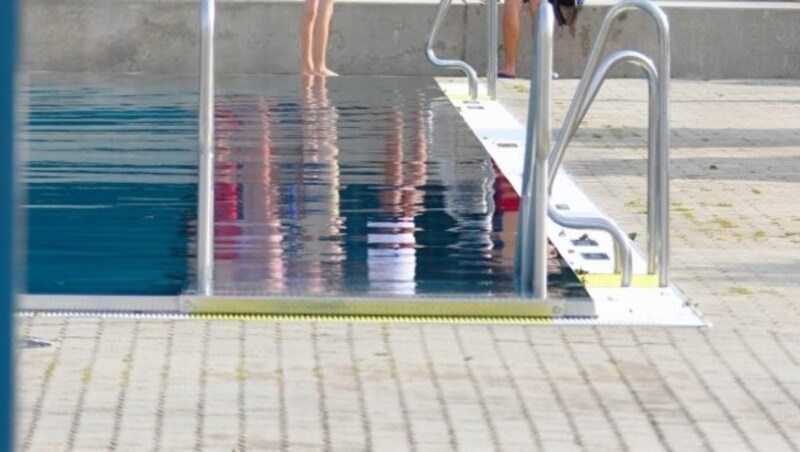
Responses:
[247,186]
[507,203]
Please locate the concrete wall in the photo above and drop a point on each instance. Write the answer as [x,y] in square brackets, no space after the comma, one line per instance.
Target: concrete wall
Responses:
[709,39]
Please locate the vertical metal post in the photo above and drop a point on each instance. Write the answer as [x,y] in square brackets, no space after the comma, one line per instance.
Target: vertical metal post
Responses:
[653,161]
[664,74]
[491,47]
[205,190]
[531,253]
[8,51]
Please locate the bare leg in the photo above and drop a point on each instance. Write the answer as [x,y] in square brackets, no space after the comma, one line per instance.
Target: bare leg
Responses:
[533,6]
[306,36]
[511,11]
[321,29]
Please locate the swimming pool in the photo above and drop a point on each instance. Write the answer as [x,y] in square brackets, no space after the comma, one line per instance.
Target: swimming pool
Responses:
[356,187]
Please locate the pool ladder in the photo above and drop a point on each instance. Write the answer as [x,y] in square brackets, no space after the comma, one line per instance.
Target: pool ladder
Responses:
[542,162]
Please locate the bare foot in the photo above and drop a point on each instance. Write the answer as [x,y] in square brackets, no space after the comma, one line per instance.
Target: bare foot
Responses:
[307,70]
[327,73]
[507,72]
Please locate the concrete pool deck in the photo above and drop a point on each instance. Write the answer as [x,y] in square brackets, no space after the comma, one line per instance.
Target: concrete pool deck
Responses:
[709,39]
[161,384]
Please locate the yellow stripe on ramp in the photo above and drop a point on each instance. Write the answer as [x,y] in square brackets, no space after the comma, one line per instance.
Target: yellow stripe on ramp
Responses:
[375,319]
[614,280]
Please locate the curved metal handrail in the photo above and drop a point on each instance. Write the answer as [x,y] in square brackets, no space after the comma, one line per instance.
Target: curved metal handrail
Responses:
[530,258]
[622,248]
[622,56]
[623,262]
[593,62]
[653,150]
[472,76]
[658,164]
[205,188]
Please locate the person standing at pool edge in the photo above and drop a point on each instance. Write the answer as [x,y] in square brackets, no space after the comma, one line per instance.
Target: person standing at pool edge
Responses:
[314,27]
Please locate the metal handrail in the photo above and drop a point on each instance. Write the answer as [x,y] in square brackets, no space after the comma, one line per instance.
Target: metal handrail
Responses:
[472,76]
[530,258]
[646,64]
[623,254]
[491,47]
[658,133]
[623,263]
[205,188]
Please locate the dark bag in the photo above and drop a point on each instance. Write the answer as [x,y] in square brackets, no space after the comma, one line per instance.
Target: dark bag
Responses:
[566,10]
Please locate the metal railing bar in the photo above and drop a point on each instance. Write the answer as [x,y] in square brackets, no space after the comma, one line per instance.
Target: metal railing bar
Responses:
[662,167]
[643,62]
[205,189]
[491,46]
[585,98]
[571,119]
[472,76]
[530,261]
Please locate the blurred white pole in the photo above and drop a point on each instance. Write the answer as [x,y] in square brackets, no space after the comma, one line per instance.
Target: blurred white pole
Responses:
[205,190]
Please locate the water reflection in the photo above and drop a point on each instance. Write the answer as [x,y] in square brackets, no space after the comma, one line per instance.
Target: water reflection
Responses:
[277,213]
[317,196]
[506,203]
[247,211]
[317,184]
[391,253]
[335,186]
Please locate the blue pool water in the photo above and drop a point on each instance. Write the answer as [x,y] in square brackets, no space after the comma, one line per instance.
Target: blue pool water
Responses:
[370,186]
